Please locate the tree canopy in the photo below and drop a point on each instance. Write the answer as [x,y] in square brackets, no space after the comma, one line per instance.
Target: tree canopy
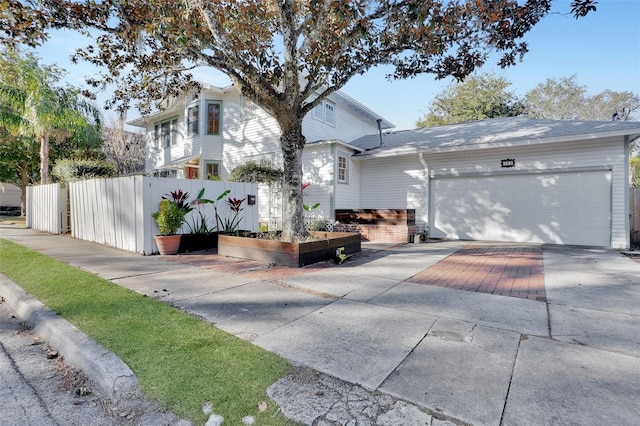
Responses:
[564,99]
[33,105]
[478,97]
[486,96]
[285,55]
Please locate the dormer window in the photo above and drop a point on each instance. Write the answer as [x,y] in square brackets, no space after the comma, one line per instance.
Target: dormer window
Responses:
[325,112]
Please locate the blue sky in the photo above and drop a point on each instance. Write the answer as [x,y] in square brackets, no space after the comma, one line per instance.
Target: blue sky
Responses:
[602,49]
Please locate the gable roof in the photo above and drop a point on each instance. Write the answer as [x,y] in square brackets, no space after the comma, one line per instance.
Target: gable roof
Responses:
[491,133]
[338,97]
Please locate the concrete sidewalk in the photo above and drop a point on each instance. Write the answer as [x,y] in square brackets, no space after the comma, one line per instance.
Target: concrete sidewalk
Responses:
[479,358]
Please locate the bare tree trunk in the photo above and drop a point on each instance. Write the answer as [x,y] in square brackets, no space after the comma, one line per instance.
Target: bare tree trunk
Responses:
[292,142]
[44,158]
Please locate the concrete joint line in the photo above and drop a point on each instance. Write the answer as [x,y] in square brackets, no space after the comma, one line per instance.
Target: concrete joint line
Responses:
[513,370]
[406,356]
[112,377]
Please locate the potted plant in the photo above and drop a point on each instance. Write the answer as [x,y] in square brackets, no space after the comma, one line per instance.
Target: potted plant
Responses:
[169,218]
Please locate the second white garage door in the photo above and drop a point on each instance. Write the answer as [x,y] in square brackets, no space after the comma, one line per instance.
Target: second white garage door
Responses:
[557,208]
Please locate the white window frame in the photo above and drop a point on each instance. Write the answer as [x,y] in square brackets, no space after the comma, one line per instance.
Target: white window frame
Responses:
[318,111]
[193,122]
[208,104]
[329,113]
[325,112]
[345,179]
[213,162]
[159,136]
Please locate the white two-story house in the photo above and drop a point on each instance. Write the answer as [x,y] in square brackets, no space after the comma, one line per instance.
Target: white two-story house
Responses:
[208,135]
[506,179]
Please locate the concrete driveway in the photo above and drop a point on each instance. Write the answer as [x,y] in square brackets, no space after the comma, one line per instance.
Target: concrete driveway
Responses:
[483,333]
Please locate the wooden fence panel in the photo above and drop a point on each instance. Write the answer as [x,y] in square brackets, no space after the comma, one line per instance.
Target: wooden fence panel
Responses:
[104,211]
[47,208]
[117,212]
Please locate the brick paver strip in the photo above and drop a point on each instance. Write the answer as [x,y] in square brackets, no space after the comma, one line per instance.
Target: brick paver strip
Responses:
[505,271]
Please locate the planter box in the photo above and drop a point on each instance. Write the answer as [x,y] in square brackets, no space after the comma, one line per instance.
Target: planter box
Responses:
[290,254]
[197,242]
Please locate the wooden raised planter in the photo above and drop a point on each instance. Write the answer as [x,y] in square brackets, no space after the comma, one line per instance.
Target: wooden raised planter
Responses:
[290,254]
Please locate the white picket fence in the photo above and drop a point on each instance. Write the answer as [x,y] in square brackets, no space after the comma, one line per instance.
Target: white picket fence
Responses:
[47,208]
[117,212]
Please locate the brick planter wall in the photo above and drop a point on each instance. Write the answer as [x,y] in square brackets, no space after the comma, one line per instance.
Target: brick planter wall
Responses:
[397,234]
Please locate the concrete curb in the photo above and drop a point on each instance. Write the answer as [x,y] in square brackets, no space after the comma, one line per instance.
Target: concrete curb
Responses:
[112,377]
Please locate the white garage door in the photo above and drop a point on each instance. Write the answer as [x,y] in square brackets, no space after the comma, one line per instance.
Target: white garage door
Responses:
[557,208]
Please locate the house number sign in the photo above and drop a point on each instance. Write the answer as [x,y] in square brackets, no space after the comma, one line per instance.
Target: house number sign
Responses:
[508,162]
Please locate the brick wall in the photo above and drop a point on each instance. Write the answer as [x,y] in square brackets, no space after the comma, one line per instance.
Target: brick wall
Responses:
[397,234]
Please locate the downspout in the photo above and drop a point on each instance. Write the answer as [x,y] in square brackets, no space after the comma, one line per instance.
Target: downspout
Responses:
[379,121]
[427,185]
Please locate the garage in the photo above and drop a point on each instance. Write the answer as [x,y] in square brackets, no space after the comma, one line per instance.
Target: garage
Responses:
[510,179]
[568,207]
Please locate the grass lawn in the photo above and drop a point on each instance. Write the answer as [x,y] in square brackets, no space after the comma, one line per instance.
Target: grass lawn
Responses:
[180,361]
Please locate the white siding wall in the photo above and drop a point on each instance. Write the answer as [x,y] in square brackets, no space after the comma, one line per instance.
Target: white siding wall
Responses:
[157,156]
[318,170]
[347,195]
[348,126]
[245,136]
[212,145]
[394,183]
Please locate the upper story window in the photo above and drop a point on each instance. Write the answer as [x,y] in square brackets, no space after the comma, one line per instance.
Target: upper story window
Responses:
[193,121]
[213,118]
[343,168]
[328,113]
[325,112]
[165,133]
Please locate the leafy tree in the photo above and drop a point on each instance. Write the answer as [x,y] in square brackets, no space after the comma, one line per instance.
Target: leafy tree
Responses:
[19,161]
[33,106]
[284,55]
[124,149]
[565,99]
[634,165]
[476,98]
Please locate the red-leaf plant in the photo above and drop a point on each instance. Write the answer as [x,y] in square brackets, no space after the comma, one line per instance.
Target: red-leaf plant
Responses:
[231,224]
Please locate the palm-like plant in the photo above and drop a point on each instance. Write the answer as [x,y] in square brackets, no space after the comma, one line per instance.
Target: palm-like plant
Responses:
[31,105]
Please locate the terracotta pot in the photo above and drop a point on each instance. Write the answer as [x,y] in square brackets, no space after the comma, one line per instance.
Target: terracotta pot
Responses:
[168,244]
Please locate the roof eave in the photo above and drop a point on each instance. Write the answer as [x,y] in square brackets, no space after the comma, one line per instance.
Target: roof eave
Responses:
[388,152]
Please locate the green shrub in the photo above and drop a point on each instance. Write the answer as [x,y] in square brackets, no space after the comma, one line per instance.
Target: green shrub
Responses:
[68,169]
[254,172]
[169,217]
